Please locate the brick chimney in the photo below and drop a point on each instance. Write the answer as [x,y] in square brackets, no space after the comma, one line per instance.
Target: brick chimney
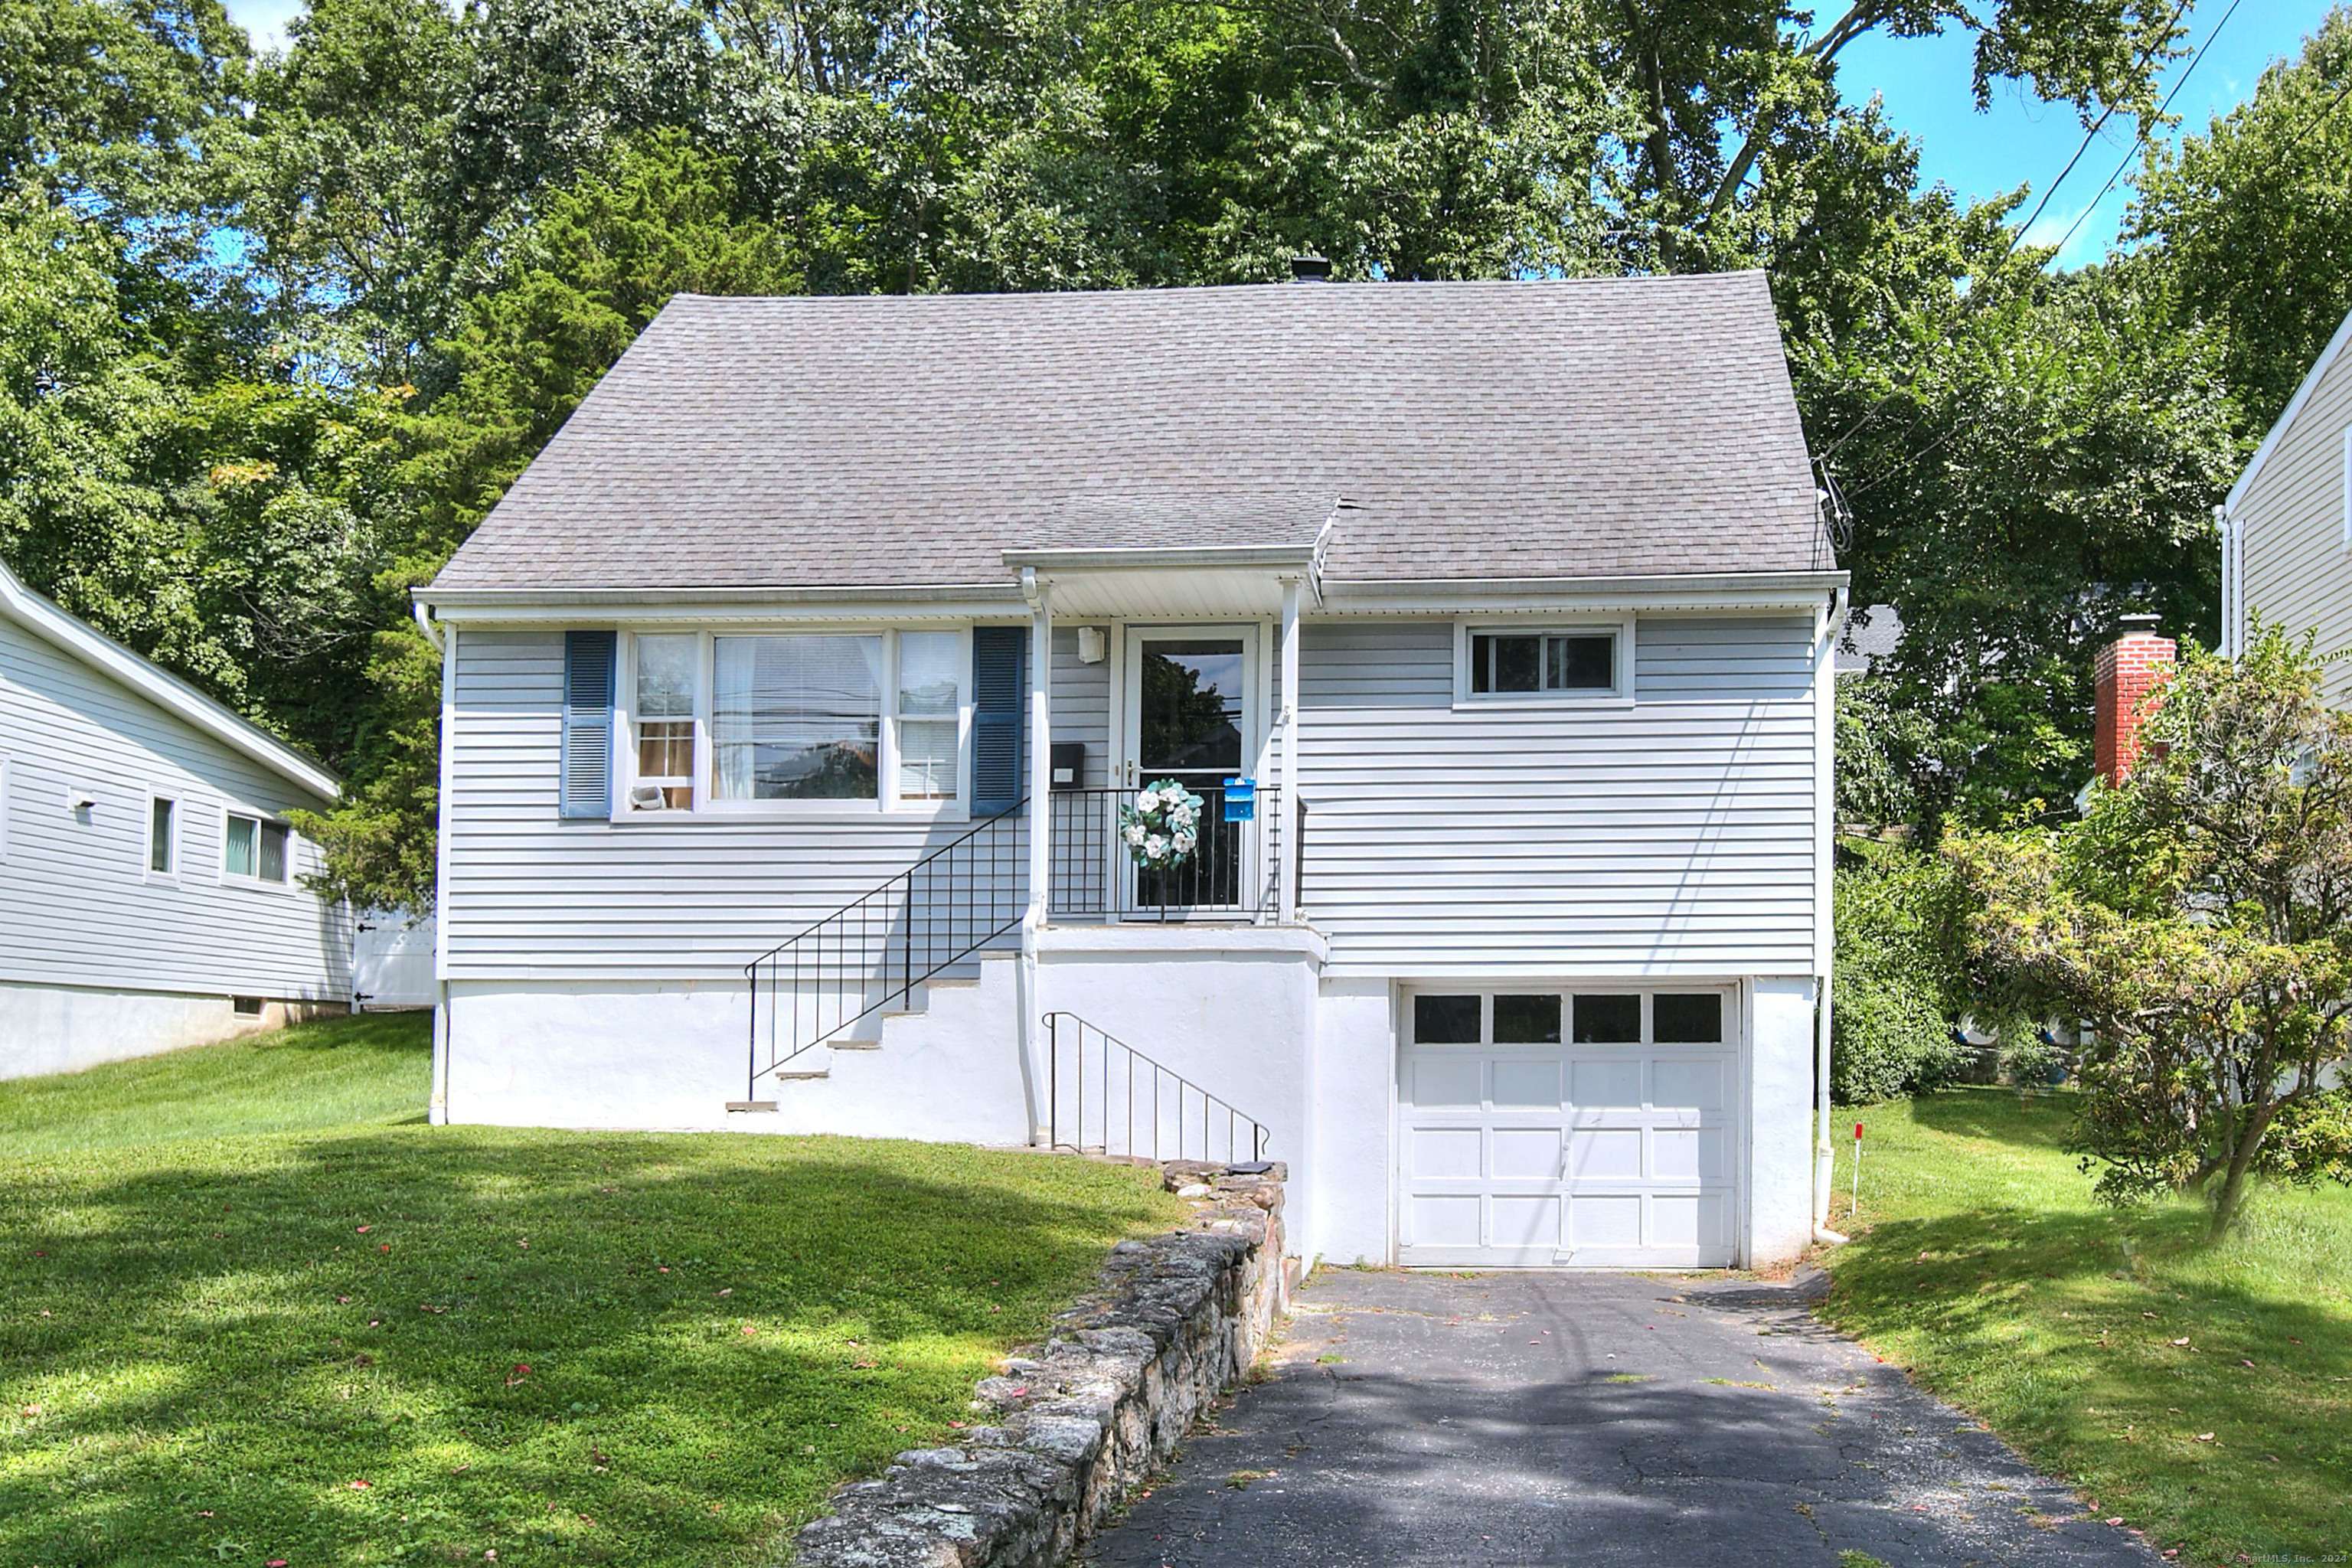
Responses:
[2130,669]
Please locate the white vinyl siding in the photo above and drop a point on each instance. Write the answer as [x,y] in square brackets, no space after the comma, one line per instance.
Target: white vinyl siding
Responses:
[2296,561]
[77,904]
[1671,836]
[689,896]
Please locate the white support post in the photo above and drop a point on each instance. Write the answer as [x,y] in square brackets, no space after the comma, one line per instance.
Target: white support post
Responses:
[1041,745]
[1286,867]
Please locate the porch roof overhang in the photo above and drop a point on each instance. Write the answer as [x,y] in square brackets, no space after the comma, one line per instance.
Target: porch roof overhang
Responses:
[1202,581]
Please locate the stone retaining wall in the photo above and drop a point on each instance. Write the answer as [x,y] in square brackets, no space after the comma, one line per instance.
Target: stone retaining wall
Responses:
[1077,1423]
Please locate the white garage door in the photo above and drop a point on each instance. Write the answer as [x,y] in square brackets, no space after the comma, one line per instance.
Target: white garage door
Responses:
[1613,1147]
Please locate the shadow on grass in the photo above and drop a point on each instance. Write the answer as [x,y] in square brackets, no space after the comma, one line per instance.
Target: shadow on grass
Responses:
[2037,1118]
[400,1033]
[714,1331]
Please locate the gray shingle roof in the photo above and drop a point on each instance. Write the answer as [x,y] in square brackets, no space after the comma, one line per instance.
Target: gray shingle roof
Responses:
[1590,427]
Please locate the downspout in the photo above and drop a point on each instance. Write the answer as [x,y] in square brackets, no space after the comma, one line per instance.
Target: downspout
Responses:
[2231,587]
[1041,668]
[437,1112]
[1824,907]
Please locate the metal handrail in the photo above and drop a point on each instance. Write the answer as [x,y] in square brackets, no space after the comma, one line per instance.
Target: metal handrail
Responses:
[944,908]
[1165,1090]
[1232,873]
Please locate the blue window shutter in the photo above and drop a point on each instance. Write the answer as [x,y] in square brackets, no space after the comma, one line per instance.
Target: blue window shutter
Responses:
[998,678]
[587,765]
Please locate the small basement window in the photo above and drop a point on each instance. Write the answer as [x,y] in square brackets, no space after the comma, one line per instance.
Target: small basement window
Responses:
[254,847]
[1537,664]
[245,1006]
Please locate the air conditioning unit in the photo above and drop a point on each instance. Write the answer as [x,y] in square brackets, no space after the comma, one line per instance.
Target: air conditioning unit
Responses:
[647,797]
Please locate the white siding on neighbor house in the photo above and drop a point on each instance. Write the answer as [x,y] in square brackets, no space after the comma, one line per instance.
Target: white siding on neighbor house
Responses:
[1674,837]
[2296,570]
[78,907]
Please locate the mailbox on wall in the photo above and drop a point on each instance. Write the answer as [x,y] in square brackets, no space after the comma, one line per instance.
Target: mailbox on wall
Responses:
[1241,800]
[1069,764]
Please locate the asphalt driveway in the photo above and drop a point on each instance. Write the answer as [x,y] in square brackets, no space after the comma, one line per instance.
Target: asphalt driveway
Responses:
[1592,1419]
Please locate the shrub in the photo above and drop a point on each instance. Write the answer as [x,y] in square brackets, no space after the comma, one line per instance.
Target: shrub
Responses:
[1890,1020]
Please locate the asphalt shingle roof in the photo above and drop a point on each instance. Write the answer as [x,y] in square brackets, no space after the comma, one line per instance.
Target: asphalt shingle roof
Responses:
[1578,428]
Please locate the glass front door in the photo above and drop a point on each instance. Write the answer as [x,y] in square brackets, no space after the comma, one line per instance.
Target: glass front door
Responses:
[1193,718]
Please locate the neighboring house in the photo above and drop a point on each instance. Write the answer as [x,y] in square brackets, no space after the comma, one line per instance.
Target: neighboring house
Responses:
[150,889]
[1492,622]
[2287,529]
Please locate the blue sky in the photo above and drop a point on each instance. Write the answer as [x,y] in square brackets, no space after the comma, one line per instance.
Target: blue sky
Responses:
[1925,83]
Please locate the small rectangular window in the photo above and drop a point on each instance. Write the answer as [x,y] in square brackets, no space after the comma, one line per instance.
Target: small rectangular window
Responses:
[664,715]
[1607,1020]
[254,847]
[162,838]
[930,696]
[1446,1020]
[1533,664]
[1526,1020]
[1694,1019]
[245,1006]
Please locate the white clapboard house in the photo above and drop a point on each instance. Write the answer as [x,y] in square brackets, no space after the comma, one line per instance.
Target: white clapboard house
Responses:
[797,695]
[2287,529]
[151,892]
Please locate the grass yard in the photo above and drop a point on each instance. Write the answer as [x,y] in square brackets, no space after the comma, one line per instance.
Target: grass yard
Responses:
[2203,1395]
[253,1310]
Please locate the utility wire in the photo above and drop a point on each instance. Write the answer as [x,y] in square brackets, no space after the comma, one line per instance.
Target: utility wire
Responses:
[2308,125]
[2018,236]
[2141,139]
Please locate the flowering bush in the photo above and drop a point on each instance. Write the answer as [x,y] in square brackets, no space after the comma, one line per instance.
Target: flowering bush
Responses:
[1162,828]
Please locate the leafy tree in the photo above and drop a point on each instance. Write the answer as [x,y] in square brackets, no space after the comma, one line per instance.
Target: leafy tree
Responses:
[2025,469]
[2252,222]
[2199,919]
[348,186]
[1892,997]
[583,281]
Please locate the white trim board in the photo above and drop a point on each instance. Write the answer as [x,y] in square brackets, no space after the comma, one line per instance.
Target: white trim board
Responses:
[167,691]
[2327,357]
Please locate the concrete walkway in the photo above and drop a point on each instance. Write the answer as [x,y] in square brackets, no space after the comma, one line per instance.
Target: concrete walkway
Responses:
[1588,1420]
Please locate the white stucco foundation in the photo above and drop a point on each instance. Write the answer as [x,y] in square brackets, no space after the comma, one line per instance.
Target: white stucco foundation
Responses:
[1780,1119]
[65,1028]
[1241,1012]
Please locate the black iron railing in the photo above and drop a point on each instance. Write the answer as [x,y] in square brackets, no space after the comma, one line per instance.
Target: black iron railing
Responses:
[1104,1097]
[1230,873]
[874,951]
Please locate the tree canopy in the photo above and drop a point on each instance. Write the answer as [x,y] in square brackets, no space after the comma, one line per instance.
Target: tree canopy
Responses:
[277,328]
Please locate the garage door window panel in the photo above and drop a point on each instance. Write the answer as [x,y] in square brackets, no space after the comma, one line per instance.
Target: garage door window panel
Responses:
[1607,1020]
[1441,1020]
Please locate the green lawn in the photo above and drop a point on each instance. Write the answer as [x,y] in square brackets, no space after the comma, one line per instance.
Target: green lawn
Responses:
[252,1310]
[2202,1395]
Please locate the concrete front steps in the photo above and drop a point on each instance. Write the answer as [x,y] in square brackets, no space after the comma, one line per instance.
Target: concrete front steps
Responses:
[948,1062]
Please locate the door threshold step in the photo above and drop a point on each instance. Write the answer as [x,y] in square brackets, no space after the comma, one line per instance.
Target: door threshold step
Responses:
[751,1105]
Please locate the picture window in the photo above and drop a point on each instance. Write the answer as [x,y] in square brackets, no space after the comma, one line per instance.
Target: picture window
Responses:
[797,717]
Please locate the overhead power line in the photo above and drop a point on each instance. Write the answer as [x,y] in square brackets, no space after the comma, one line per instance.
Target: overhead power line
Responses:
[2141,139]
